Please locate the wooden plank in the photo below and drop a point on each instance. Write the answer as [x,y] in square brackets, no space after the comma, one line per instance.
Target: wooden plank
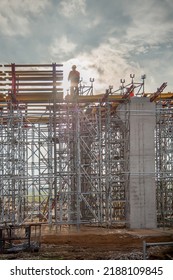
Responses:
[36,72]
[37,89]
[32,65]
[33,84]
[38,78]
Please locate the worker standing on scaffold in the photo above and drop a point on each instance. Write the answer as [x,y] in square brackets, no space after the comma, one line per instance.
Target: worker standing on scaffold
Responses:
[74,78]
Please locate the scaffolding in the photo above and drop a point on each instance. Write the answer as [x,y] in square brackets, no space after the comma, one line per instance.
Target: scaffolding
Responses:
[65,160]
[89,152]
[164,162]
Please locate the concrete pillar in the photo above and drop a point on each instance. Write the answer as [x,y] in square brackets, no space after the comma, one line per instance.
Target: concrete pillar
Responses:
[142,187]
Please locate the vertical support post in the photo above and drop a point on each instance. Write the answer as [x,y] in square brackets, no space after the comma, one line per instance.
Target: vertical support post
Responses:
[1,241]
[39,170]
[108,210]
[33,169]
[50,168]
[144,250]
[54,136]
[69,168]
[60,170]
[78,167]
[13,79]
[99,124]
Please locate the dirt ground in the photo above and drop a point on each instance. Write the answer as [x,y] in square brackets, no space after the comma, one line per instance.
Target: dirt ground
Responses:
[93,243]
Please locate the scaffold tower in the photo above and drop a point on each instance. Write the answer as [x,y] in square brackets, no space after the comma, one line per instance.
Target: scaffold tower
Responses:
[164,162]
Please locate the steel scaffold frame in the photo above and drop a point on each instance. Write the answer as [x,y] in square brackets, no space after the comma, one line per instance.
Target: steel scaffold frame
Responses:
[164,163]
[25,157]
[66,161]
[70,170]
[89,147]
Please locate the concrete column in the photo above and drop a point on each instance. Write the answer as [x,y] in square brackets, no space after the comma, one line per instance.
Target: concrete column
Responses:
[142,188]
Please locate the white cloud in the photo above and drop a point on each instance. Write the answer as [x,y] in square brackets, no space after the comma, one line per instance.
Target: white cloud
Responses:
[71,8]
[15,15]
[18,6]
[61,47]
[150,22]
[94,22]
[9,28]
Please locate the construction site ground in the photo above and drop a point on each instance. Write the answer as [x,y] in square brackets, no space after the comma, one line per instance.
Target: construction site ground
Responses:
[98,243]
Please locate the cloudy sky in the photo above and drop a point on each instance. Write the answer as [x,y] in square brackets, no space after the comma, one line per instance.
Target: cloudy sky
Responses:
[106,39]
